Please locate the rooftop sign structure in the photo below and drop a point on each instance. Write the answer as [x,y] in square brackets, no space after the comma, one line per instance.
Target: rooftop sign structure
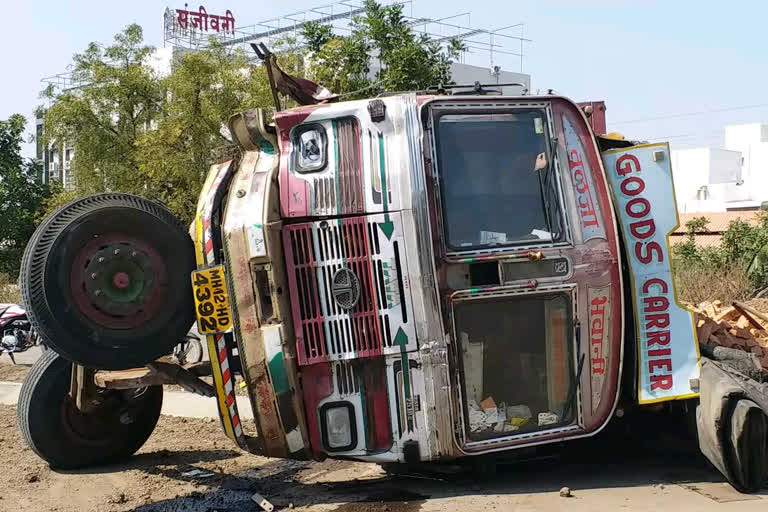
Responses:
[196,29]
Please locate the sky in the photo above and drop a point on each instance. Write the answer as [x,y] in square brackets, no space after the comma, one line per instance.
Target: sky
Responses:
[673,70]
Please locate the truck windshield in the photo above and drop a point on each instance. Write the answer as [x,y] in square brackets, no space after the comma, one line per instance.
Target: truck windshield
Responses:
[496,179]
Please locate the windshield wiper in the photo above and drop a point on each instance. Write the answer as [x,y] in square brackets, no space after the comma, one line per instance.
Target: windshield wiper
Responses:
[549,192]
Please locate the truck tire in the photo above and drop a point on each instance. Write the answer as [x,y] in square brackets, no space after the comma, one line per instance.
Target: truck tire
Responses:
[66,438]
[106,281]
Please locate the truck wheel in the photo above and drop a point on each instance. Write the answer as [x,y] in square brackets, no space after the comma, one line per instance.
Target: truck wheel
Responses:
[65,437]
[106,281]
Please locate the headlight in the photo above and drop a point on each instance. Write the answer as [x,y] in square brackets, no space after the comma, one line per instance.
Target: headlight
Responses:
[310,148]
[338,425]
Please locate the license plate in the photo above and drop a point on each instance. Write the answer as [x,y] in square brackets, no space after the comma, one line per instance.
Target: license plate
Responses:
[209,286]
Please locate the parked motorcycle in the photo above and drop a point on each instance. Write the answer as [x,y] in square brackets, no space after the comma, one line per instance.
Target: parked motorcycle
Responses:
[17,333]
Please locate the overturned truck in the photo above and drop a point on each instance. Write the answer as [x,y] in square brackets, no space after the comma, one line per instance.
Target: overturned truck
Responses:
[411,278]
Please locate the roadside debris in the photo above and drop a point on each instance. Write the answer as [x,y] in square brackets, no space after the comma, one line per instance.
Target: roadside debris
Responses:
[262,502]
[198,473]
[565,492]
[737,326]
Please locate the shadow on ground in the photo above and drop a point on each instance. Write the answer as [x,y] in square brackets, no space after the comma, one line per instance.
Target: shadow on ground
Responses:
[636,453]
[151,461]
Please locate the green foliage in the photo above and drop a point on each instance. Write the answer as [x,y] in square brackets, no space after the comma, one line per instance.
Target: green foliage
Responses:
[342,65]
[104,119]
[687,251]
[740,261]
[21,195]
[404,60]
[137,132]
[752,241]
[203,91]
[316,35]
[58,198]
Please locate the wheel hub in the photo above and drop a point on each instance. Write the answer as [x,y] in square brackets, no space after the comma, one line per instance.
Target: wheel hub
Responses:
[118,281]
[121,280]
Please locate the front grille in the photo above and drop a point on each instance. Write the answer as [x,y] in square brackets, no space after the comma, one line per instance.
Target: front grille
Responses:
[346,379]
[339,190]
[305,284]
[325,330]
[325,195]
[350,180]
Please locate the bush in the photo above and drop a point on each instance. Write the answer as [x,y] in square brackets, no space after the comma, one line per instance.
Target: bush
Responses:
[735,270]
[9,290]
[706,283]
[10,260]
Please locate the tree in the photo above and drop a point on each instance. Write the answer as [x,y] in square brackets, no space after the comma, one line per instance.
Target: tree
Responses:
[203,91]
[104,118]
[688,252]
[382,40]
[342,64]
[138,132]
[21,195]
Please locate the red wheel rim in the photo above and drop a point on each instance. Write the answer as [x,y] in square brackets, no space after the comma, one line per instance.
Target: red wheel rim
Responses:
[118,281]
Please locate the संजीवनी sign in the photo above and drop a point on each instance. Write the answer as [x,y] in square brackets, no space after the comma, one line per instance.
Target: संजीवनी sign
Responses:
[202,21]
[640,178]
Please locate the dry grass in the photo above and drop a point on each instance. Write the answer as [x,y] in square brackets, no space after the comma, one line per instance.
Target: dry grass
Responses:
[9,291]
[699,283]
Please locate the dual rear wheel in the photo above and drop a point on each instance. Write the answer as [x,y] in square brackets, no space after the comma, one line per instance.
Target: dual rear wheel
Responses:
[67,438]
[106,283]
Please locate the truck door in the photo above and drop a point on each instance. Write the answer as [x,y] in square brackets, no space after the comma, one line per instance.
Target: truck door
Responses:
[529,255]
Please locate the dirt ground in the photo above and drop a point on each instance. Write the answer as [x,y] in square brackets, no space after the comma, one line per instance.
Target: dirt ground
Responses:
[609,475]
[153,480]
[12,373]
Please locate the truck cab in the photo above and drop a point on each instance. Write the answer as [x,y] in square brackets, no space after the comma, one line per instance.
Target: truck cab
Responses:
[416,277]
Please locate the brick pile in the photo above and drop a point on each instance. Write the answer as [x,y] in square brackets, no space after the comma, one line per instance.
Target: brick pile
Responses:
[737,326]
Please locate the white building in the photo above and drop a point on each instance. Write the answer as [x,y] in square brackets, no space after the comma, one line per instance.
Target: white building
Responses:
[752,141]
[724,179]
[466,74]
[55,158]
[706,178]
